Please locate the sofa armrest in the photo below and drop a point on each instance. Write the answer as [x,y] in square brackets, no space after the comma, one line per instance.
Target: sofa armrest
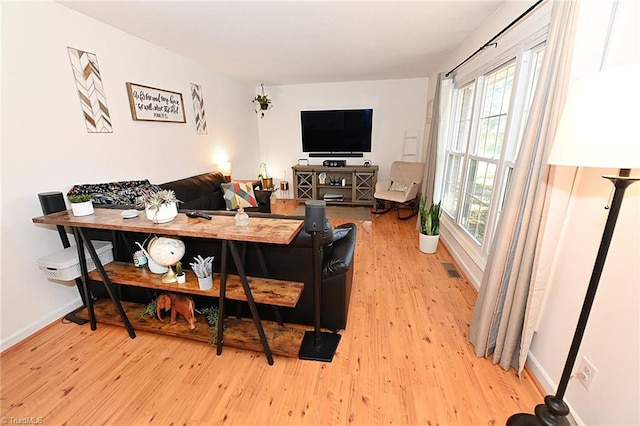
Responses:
[340,259]
[412,191]
[383,185]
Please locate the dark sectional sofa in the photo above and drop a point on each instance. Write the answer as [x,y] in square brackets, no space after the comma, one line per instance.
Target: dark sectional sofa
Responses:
[291,262]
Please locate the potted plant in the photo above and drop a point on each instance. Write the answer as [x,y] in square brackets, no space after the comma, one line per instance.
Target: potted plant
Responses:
[81,205]
[429,226]
[263,175]
[262,102]
[180,275]
[160,207]
[202,267]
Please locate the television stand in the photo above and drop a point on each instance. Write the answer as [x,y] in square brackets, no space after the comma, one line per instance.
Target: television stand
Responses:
[350,185]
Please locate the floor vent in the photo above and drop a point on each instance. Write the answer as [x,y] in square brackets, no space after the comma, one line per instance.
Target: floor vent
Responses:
[451,270]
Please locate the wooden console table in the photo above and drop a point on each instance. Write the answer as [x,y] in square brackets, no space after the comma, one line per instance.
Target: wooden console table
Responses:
[260,230]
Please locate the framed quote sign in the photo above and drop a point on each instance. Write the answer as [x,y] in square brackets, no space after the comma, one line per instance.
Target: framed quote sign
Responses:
[152,104]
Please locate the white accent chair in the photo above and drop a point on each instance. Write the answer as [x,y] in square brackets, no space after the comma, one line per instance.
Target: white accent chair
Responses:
[400,191]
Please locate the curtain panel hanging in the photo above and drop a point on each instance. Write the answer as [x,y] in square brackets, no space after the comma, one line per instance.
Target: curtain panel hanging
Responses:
[498,322]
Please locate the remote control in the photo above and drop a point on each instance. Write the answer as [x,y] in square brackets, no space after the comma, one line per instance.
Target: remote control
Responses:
[198,214]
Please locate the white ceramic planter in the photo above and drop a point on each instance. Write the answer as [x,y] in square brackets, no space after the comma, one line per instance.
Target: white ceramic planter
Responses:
[205,283]
[428,243]
[181,278]
[163,214]
[82,209]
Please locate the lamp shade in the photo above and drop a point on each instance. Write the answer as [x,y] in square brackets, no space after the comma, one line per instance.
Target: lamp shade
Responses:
[600,123]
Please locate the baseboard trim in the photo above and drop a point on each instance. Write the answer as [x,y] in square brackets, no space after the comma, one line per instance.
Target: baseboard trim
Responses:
[30,329]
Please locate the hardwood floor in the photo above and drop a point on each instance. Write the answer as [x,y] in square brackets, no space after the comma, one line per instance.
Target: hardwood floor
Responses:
[403,359]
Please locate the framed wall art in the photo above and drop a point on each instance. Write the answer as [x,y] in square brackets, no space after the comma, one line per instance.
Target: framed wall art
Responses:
[198,109]
[93,100]
[153,104]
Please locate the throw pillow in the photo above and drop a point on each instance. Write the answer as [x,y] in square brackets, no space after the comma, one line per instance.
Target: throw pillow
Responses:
[238,194]
[397,186]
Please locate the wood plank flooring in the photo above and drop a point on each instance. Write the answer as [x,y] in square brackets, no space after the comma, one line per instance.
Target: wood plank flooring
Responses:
[403,359]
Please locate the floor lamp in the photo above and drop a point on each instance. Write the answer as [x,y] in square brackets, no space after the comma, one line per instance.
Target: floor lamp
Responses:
[598,128]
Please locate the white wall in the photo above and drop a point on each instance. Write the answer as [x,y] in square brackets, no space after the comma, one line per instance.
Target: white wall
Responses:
[611,340]
[612,337]
[398,106]
[45,145]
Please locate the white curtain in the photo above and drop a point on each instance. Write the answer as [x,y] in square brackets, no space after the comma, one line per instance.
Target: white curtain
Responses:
[431,158]
[498,323]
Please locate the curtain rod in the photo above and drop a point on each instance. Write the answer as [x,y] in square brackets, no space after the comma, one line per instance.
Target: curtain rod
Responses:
[490,42]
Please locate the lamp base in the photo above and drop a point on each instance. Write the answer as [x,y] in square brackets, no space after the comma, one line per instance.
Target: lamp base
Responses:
[553,412]
[322,350]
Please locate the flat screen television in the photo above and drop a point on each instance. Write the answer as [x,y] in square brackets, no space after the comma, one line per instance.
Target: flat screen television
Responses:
[336,133]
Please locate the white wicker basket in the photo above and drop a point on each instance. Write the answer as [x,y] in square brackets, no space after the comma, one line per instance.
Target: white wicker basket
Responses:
[65,266]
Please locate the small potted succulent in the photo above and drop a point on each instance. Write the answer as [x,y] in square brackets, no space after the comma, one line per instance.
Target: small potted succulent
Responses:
[160,207]
[180,275]
[202,267]
[81,205]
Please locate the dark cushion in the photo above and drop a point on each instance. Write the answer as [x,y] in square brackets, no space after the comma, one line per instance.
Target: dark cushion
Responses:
[201,192]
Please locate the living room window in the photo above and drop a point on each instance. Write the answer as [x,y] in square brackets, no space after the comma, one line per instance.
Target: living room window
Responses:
[488,114]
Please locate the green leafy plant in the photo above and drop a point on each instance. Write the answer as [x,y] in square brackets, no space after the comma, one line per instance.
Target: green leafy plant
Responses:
[179,268]
[429,218]
[211,314]
[79,198]
[150,310]
[263,101]
[156,199]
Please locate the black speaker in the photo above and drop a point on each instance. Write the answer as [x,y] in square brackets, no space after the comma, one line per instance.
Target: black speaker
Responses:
[314,214]
[51,202]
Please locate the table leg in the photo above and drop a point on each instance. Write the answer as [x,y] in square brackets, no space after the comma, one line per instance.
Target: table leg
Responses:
[84,277]
[105,280]
[223,295]
[252,304]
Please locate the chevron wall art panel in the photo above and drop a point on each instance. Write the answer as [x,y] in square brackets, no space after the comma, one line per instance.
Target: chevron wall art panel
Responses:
[198,108]
[92,97]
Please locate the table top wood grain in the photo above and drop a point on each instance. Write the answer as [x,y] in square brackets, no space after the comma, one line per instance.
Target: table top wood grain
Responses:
[260,229]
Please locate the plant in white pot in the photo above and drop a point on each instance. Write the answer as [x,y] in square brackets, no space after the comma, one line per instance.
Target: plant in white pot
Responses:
[160,207]
[202,267]
[81,205]
[429,226]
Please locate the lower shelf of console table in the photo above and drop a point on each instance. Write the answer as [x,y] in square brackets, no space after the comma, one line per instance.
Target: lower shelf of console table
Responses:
[239,333]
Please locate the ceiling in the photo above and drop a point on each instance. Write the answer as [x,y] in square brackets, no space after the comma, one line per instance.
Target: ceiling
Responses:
[297,42]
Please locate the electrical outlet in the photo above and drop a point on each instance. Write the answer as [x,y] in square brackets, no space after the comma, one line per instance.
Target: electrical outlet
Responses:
[586,373]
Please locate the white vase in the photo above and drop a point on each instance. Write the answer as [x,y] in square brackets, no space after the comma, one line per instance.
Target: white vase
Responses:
[181,278]
[162,214]
[429,243]
[82,209]
[205,283]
